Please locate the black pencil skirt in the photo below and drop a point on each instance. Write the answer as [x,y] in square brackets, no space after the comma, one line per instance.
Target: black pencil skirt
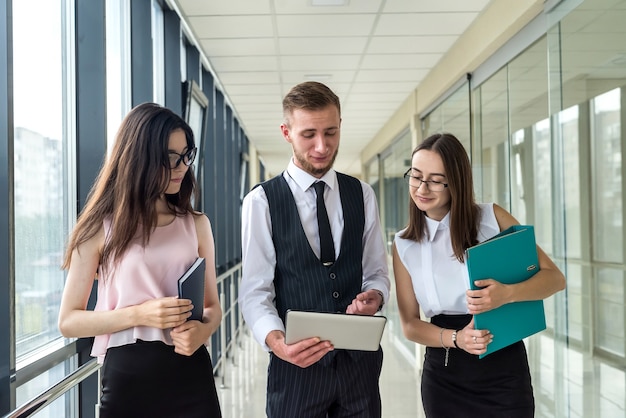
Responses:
[498,385]
[148,379]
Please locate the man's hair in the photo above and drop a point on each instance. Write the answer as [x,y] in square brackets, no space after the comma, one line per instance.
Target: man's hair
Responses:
[310,95]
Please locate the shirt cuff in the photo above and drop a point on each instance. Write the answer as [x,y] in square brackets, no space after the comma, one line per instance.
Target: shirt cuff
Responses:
[264,326]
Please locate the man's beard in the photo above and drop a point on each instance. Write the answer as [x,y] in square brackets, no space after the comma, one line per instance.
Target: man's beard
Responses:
[310,168]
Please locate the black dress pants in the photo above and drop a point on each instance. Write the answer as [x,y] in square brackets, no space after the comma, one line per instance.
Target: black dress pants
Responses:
[343,384]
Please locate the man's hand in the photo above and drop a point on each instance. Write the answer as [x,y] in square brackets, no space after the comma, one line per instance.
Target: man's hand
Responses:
[303,353]
[366,303]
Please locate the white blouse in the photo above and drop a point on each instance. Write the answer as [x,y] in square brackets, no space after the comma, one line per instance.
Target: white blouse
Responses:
[439,279]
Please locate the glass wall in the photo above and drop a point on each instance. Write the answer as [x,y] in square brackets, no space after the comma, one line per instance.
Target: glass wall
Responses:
[54,156]
[43,205]
[549,148]
[41,174]
[490,150]
[158,54]
[587,64]
[591,63]
[453,116]
[545,133]
[385,174]
[117,65]
[395,191]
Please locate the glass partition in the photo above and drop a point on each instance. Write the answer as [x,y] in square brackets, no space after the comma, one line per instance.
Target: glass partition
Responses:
[587,55]
[492,141]
[117,65]
[453,116]
[41,173]
[395,195]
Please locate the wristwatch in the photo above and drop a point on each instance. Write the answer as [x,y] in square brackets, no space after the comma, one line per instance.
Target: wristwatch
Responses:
[382,300]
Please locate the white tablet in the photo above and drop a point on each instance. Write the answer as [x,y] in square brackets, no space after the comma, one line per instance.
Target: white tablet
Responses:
[344,331]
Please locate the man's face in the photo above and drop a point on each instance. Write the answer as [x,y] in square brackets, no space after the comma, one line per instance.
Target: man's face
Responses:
[314,137]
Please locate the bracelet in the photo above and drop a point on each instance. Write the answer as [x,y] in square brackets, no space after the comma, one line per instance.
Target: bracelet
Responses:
[445,361]
[454,335]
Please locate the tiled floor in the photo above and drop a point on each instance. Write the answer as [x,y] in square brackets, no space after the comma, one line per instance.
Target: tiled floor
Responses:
[242,386]
[566,383]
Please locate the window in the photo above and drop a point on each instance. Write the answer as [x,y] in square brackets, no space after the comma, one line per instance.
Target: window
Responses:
[41,174]
[44,209]
[118,65]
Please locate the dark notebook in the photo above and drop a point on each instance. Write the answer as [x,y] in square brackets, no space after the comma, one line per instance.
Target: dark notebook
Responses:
[191,286]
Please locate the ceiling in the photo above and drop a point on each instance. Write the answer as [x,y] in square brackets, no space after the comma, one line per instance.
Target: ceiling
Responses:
[372,53]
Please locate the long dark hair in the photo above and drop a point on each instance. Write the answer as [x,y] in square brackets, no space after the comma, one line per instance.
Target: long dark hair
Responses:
[464,211]
[133,178]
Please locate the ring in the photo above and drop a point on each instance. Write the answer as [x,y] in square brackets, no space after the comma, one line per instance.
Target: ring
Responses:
[474,337]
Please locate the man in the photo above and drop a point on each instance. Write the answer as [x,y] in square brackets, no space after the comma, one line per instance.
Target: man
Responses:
[282,268]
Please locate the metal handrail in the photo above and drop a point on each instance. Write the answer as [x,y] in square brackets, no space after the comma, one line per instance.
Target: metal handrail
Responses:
[55,391]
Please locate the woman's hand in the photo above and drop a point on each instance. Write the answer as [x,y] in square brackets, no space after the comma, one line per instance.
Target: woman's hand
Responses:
[188,337]
[474,341]
[162,313]
[492,295]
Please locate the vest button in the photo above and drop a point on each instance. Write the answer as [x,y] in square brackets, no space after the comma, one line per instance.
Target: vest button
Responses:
[333,276]
[336,295]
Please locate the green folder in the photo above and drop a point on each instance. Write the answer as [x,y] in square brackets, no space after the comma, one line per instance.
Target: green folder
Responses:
[509,257]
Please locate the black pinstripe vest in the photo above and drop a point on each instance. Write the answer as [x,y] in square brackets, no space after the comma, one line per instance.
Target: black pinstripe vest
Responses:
[328,289]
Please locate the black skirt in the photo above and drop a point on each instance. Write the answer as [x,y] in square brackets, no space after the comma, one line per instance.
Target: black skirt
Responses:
[498,385]
[148,379]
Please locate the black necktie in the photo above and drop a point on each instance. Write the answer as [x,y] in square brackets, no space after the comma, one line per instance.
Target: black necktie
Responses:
[327,247]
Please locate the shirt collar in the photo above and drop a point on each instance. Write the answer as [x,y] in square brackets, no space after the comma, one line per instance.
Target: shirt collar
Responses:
[305,180]
[433,226]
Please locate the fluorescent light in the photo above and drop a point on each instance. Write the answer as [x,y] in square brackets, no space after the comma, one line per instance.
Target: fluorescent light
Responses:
[317,77]
[329,2]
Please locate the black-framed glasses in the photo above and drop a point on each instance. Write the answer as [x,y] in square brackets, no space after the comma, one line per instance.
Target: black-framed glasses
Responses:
[416,182]
[186,158]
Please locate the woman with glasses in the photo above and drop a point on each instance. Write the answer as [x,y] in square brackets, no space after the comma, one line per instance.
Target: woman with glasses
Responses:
[137,235]
[431,278]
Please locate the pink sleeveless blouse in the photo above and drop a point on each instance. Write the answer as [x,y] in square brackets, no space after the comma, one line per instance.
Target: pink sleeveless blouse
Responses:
[145,273]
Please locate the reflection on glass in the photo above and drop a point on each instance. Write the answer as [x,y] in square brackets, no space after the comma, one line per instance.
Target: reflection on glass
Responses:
[492,141]
[541,207]
[607,177]
[568,121]
[396,196]
[372,177]
[453,116]
[588,73]
[531,192]
[579,301]
[394,206]
[519,173]
[117,65]
[40,191]
[158,54]
[610,321]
